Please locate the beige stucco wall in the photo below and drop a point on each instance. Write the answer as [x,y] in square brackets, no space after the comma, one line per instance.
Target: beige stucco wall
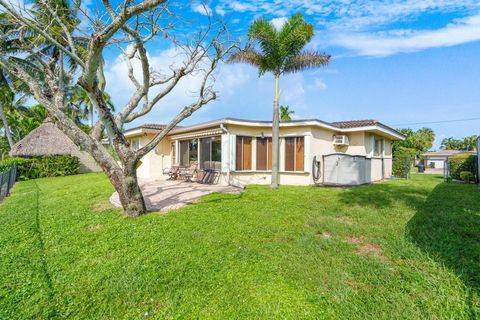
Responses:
[156,160]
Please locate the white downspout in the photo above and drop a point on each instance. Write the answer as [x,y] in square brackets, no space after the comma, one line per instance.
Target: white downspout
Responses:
[237,184]
[222,127]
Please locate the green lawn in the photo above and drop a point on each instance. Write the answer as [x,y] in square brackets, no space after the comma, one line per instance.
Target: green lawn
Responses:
[401,249]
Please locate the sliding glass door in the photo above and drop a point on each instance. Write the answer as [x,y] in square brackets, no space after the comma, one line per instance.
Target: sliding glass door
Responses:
[206,151]
[211,153]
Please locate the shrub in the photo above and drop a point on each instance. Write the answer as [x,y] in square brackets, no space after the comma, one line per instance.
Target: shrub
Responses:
[43,166]
[467,176]
[461,163]
[401,166]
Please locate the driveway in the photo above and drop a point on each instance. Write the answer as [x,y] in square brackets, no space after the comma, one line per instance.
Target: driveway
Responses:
[163,196]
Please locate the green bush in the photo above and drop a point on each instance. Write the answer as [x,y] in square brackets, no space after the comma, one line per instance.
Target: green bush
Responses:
[41,167]
[401,166]
[467,176]
[460,164]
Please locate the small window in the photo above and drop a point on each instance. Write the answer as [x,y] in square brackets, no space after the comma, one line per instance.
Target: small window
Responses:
[294,154]
[378,148]
[264,154]
[135,144]
[243,156]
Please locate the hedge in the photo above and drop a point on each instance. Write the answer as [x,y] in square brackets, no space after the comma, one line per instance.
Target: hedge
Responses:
[42,166]
[461,163]
[401,166]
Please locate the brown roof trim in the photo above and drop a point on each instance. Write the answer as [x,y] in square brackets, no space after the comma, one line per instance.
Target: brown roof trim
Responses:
[355,123]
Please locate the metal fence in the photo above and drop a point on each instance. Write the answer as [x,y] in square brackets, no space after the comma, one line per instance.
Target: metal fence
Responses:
[7,180]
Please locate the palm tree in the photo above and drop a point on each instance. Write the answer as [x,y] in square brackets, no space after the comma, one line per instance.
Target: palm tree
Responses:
[286,113]
[279,52]
[82,106]
[6,98]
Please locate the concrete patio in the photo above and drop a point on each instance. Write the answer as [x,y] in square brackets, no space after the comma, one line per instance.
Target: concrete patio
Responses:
[163,195]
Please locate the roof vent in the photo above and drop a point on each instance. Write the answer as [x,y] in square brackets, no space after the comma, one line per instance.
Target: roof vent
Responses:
[340,140]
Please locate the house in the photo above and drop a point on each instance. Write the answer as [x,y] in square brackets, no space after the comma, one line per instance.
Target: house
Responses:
[437,159]
[311,151]
[47,139]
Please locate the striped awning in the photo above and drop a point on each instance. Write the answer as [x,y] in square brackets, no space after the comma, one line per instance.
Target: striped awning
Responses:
[197,134]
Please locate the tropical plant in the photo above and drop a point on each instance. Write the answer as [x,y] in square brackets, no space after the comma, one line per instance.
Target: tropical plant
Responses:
[467,143]
[416,142]
[279,52]
[286,113]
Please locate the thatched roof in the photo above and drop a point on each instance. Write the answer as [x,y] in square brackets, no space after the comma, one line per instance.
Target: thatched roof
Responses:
[47,139]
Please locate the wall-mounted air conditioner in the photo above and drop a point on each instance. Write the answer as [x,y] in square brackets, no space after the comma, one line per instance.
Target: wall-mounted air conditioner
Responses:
[340,140]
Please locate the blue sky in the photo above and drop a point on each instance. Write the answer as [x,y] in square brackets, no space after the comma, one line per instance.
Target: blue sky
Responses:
[398,61]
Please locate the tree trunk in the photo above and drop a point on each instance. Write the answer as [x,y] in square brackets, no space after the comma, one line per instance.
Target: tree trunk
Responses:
[125,183]
[275,136]
[6,127]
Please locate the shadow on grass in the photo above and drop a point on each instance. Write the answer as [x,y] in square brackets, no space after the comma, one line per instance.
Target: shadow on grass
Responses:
[385,195]
[447,227]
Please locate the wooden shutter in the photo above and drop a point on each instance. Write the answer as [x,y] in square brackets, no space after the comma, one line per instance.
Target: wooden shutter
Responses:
[247,153]
[289,154]
[299,154]
[261,154]
[239,154]
[269,160]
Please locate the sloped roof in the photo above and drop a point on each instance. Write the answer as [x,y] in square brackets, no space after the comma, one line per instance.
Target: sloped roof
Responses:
[47,139]
[448,152]
[355,123]
[155,126]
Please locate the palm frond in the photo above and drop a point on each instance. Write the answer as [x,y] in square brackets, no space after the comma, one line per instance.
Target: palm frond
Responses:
[306,60]
[249,56]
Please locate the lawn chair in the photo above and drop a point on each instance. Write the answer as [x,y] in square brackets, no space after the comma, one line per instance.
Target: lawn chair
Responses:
[188,173]
[172,172]
[210,176]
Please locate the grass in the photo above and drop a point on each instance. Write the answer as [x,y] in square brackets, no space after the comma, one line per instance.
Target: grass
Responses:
[401,249]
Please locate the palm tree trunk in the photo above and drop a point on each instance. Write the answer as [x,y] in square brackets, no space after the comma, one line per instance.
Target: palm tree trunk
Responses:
[275,136]
[90,115]
[6,127]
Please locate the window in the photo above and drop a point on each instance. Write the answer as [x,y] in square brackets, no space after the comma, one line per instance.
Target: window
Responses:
[135,144]
[378,147]
[184,153]
[294,154]
[243,160]
[192,151]
[211,153]
[264,154]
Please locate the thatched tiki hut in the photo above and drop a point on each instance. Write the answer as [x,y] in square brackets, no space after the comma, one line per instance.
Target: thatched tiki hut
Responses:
[47,139]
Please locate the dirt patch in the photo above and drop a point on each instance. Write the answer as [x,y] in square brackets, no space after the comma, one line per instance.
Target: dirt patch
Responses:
[94,227]
[344,219]
[366,248]
[102,206]
[325,234]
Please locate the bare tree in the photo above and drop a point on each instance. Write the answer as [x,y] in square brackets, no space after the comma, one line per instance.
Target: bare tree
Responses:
[128,27]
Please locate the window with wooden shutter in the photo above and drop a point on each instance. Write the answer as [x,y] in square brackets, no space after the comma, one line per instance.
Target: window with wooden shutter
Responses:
[264,154]
[294,154]
[243,153]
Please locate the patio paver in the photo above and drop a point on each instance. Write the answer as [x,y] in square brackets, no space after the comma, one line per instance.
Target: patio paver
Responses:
[165,195]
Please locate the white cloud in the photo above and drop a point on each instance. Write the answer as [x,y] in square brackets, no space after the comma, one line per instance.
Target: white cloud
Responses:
[242,6]
[220,10]
[202,8]
[388,43]
[279,22]
[320,84]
